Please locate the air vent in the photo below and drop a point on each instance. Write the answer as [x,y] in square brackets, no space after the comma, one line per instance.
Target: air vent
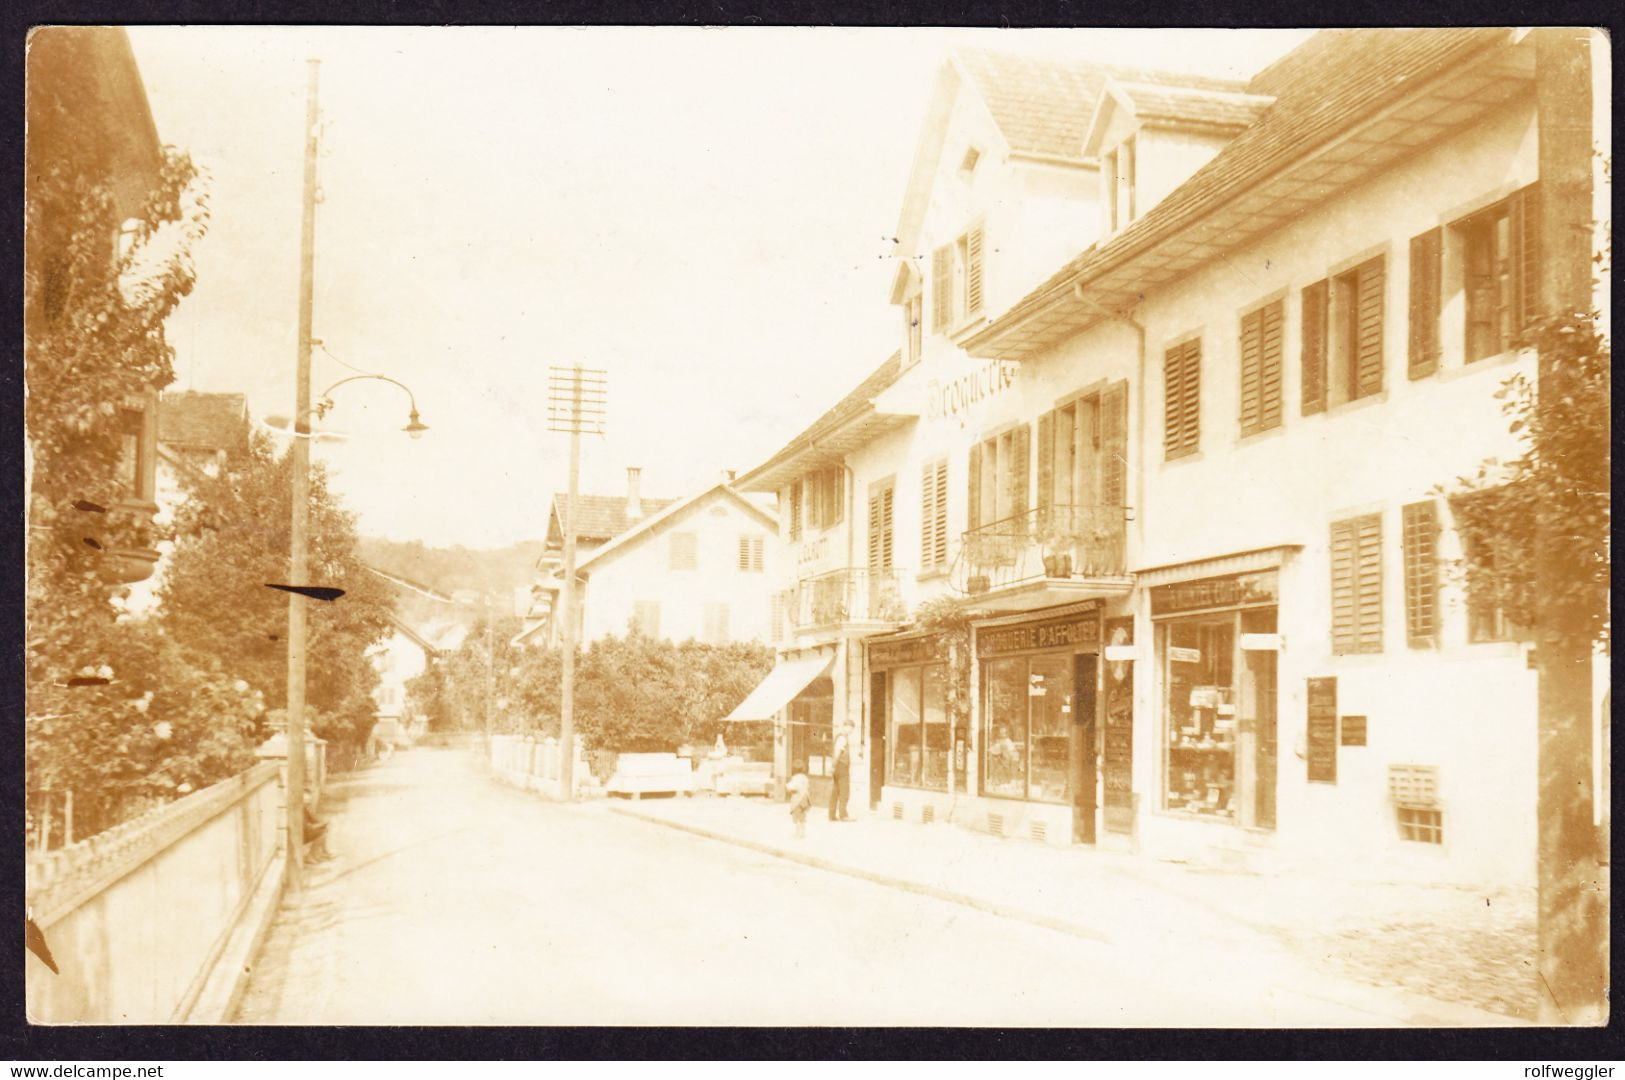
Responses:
[897,811]
[995,824]
[1037,831]
[929,814]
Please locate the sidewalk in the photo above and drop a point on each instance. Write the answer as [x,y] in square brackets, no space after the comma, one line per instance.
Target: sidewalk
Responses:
[1405,953]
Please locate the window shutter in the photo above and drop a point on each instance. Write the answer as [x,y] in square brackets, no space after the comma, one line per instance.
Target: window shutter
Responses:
[942,514]
[1426,252]
[886,498]
[1368,377]
[1190,395]
[775,617]
[928,517]
[815,501]
[744,553]
[1369,594]
[973,271]
[1114,444]
[942,288]
[1020,453]
[795,510]
[1526,220]
[973,505]
[1046,463]
[874,531]
[1270,360]
[1314,347]
[1173,373]
[1252,371]
[1421,549]
[1344,637]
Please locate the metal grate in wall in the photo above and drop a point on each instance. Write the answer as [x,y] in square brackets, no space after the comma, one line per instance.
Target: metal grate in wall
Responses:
[897,811]
[1037,830]
[929,814]
[995,824]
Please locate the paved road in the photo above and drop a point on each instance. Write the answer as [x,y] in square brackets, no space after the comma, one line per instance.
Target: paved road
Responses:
[455,900]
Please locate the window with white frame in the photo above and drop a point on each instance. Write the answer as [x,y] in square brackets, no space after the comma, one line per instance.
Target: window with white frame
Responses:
[956,281]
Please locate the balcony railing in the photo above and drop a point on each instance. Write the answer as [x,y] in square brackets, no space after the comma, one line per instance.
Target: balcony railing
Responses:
[1061,543]
[848,596]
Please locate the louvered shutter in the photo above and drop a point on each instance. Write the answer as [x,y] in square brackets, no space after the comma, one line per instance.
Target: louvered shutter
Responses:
[795,510]
[1046,464]
[1526,233]
[1252,372]
[1269,410]
[942,513]
[1190,396]
[886,552]
[1421,549]
[973,505]
[1114,444]
[1020,451]
[973,271]
[1369,537]
[942,288]
[1368,346]
[1173,374]
[928,517]
[1314,348]
[1344,622]
[1426,252]
[874,532]
[815,501]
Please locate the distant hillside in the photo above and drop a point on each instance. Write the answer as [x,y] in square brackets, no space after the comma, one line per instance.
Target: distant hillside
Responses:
[447,570]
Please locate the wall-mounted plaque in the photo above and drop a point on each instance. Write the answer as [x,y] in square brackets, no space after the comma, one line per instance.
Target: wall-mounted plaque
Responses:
[1353,731]
[1322,731]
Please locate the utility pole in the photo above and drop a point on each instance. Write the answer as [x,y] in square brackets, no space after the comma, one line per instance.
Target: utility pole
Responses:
[1572,892]
[297,557]
[576,401]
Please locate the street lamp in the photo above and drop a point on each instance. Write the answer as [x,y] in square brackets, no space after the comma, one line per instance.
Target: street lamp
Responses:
[415,427]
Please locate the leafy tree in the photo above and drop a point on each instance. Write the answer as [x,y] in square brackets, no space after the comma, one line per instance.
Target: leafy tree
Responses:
[1563,471]
[104,265]
[231,541]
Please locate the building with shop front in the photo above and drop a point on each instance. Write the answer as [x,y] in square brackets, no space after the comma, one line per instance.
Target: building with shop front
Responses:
[1189,487]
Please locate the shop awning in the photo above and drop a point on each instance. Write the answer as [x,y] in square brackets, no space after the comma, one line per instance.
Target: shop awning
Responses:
[787,679]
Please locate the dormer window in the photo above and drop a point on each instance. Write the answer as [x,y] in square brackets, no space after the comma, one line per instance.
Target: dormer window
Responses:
[956,281]
[1117,176]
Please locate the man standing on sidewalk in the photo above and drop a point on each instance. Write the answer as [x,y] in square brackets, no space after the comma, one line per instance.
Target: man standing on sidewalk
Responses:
[843,782]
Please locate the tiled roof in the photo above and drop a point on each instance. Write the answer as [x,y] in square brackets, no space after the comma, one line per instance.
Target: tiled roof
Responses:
[1044,106]
[600,517]
[1209,108]
[849,406]
[1320,88]
[207,421]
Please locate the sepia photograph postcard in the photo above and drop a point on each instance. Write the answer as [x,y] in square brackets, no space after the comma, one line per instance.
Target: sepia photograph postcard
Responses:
[801,527]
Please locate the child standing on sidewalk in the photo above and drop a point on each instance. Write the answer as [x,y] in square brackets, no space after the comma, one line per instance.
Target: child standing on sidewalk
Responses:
[800,799]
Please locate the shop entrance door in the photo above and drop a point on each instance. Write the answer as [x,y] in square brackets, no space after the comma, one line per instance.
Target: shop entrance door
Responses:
[877,736]
[1084,666]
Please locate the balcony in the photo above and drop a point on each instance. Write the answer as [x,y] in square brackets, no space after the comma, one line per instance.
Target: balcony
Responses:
[849,599]
[1046,556]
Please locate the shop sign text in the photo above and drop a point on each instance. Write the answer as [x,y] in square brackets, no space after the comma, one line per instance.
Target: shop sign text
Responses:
[920,650]
[1234,591]
[958,395]
[1070,630]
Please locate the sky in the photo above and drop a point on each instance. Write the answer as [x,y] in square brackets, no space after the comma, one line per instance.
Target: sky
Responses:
[701,213]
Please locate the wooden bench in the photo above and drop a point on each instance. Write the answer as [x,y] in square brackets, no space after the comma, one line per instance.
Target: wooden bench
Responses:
[745,778]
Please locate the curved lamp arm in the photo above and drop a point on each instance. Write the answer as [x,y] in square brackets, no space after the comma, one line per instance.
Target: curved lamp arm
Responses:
[414,426]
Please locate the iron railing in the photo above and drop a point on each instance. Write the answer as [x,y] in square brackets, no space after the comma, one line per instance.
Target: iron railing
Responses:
[846,596]
[1049,542]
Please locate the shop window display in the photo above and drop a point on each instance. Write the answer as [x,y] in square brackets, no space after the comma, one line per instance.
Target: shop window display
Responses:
[1200,714]
[918,709]
[1027,728]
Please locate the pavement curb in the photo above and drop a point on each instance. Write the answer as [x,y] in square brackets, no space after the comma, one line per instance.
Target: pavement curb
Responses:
[1419,1011]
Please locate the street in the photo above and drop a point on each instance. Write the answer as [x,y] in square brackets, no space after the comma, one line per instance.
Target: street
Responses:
[454,900]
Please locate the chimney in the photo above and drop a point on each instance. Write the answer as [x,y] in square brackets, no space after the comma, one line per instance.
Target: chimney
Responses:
[634,501]
[727,476]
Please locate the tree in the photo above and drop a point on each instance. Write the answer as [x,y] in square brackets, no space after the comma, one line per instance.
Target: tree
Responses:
[231,542]
[106,259]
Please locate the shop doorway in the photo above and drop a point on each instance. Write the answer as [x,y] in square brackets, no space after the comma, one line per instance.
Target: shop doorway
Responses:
[877,736]
[812,736]
[1084,667]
